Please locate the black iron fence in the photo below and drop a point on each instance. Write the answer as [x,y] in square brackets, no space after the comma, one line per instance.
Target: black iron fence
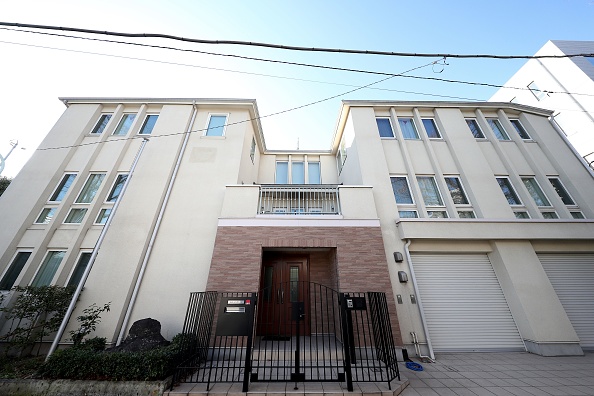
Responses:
[294,332]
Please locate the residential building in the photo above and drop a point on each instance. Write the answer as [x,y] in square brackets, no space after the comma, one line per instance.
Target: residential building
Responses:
[475,219]
[564,85]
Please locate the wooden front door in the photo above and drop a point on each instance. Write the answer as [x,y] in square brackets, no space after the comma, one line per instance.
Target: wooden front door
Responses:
[284,283]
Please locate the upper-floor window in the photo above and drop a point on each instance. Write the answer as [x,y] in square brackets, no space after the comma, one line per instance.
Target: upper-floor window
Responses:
[297,175]
[520,129]
[474,128]
[117,188]
[431,128]
[124,125]
[282,172]
[62,188]
[48,268]
[456,191]
[253,149]
[538,94]
[508,191]
[216,125]
[561,191]
[535,191]
[297,172]
[429,191]
[45,216]
[498,129]
[407,125]
[149,124]
[103,216]
[75,216]
[101,124]
[313,173]
[401,190]
[341,155]
[385,127]
[13,272]
[79,270]
[90,188]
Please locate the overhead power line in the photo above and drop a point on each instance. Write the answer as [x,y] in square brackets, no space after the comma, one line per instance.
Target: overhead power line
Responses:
[286,47]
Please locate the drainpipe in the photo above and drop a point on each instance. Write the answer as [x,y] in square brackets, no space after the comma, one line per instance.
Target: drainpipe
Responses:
[419,303]
[149,249]
[85,275]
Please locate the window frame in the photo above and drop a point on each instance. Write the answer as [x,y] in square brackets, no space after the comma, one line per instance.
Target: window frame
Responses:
[223,127]
[466,211]
[318,172]
[416,212]
[434,124]
[100,214]
[537,189]
[70,213]
[99,127]
[414,127]
[511,188]
[121,125]
[478,127]
[392,136]
[58,190]
[51,210]
[145,123]
[276,172]
[78,197]
[412,197]
[577,212]
[562,187]
[10,269]
[538,93]
[462,190]
[430,214]
[439,195]
[76,267]
[294,165]
[42,266]
[555,217]
[109,198]
[495,124]
[516,212]
[520,129]
[253,149]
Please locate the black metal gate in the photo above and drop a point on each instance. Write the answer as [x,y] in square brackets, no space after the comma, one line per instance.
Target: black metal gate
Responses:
[299,331]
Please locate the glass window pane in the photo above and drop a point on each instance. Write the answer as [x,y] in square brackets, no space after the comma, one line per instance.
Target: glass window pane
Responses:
[535,192]
[475,129]
[81,266]
[282,173]
[497,129]
[437,214]
[408,214]
[48,268]
[385,127]
[253,150]
[401,190]
[216,125]
[466,214]
[550,215]
[117,188]
[456,190]
[14,270]
[101,124]
[408,128]
[561,191]
[429,191]
[90,189]
[313,173]
[508,191]
[149,124]
[75,216]
[431,128]
[267,283]
[294,278]
[520,129]
[125,124]
[521,215]
[45,216]
[538,94]
[63,187]
[297,173]
[577,215]
[103,215]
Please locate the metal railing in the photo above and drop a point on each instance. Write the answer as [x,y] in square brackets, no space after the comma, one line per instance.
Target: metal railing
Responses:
[299,199]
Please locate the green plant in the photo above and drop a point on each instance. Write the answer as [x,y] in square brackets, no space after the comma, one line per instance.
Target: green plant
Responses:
[88,322]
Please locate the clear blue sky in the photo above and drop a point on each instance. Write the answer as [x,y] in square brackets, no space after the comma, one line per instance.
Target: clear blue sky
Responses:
[34,77]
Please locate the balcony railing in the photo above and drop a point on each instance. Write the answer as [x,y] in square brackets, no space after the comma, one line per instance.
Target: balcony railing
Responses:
[299,199]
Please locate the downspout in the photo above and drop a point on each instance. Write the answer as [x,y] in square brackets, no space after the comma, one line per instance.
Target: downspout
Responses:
[149,249]
[419,303]
[85,274]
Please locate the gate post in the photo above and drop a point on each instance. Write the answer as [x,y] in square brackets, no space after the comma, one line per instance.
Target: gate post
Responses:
[247,370]
[347,337]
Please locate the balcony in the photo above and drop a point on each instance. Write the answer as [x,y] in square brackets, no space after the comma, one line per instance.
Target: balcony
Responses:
[301,199]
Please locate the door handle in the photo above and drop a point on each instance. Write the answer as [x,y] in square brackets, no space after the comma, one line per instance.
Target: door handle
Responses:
[278,295]
[282,296]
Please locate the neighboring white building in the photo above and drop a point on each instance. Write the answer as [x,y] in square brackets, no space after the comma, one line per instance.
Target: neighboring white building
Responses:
[564,85]
[484,206]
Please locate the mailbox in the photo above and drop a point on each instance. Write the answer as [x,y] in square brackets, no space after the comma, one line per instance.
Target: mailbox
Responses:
[236,316]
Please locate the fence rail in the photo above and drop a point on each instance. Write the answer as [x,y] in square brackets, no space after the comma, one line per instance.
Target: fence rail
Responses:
[302,199]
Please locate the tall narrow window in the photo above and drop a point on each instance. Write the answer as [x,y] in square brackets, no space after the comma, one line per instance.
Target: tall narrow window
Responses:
[216,125]
[313,173]
[253,150]
[431,128]
[101,124]
[508,191]
[401,191]
[497,129]
[407,125]
[385,127]
[48,268]
[79,270]
[90,188]
[45,216]
[13,272]
[538,94]
[117,188]
[520,129]
[148,125]
[282,172]
[535,192]
[75,216]
[456,190]
[62,189]
[429,191]
[474,128]
[102,216]
[297,172]
[125,124]
[341,155]
[561,191]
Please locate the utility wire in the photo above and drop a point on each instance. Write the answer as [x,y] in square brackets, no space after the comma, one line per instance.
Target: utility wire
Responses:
[294,63]
[249,119]
[285,47]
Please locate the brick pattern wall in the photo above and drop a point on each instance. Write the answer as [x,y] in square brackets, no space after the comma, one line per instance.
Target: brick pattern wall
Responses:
[356,262]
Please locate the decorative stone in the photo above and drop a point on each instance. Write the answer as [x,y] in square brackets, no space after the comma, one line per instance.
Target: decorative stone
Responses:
[144,335]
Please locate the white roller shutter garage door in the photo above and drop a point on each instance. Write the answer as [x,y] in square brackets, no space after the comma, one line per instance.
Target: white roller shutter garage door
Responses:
[464,305]
[572,277]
